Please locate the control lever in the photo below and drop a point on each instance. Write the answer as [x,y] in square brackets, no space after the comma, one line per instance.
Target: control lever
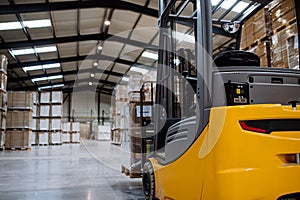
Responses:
[294,104]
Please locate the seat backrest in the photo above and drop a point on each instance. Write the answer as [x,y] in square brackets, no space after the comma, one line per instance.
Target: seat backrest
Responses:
[236,58]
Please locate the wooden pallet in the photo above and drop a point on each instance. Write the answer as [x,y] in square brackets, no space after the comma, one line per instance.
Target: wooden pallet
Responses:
[129,173]
[55,144]
[283,26]
[256,42]
[18,148]
[42,145]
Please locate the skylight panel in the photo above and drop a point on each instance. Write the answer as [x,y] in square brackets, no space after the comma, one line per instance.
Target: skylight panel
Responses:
[240,6]
[39,79]
[215,2]
[45,78]
[46,49]
[227,4]
[150,55]
[32,68]
[38,23]
[41,67]
[50,66]
[51,86]
[29,24]
[18,52]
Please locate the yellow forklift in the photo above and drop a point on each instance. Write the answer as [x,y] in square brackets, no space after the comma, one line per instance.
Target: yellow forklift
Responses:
[225,128]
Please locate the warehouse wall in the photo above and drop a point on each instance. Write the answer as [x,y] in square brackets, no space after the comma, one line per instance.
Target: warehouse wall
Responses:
[84,105]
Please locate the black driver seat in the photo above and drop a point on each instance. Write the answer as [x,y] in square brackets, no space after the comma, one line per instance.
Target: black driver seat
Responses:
[236,58]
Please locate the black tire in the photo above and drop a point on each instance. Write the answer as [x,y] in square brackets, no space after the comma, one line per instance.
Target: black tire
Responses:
[148,181]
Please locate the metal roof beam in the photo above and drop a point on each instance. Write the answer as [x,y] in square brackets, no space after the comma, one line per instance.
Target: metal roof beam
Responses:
[66,73]
[71,5]
[73,59]
[101,36]
[67,83]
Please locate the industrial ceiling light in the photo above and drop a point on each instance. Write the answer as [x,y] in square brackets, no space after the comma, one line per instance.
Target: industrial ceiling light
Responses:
[107,22]
[150,55]
[51,86]
[50,66]
[45,78]
[29,24]
[41,67]
[46,49]
[39,79]
[18,52]
[95,64]
[55,77]
[92,75]
[99,48]
[32,68]
[90,83]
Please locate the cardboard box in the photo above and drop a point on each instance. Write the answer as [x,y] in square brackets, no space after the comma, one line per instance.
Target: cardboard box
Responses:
[284,49]
[3,80]
[75,137]
[17,138]
[33,139]
[43,138]
[75,127]
[256,28]
[20,100]
[44,124]
[34,124]
[55,138]
[19,119]
[3,63]
[2,138]
[282,7]
[35,111]
[45,97]
[55,124]
[67,127]
[84,130]
[56,111]
[44,110]
[56,97]
[284,19]
[3,99]
[35,96]
[65,137]
[2,120]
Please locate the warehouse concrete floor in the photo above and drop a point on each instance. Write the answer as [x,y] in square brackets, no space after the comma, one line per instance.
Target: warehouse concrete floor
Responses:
[90,170]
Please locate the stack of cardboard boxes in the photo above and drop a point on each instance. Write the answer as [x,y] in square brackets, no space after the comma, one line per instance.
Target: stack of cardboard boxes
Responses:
[19,120]
[139,105]
[71,132]
[120,100]
[272,35]
[35,119]
[50,118]
[3,100]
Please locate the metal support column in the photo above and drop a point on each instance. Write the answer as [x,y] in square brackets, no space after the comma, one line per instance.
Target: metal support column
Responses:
[98,112]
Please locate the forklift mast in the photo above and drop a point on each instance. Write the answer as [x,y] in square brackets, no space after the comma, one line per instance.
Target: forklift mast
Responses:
[198,57]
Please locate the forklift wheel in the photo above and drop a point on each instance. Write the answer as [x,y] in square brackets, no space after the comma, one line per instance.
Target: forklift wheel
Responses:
[148,181]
